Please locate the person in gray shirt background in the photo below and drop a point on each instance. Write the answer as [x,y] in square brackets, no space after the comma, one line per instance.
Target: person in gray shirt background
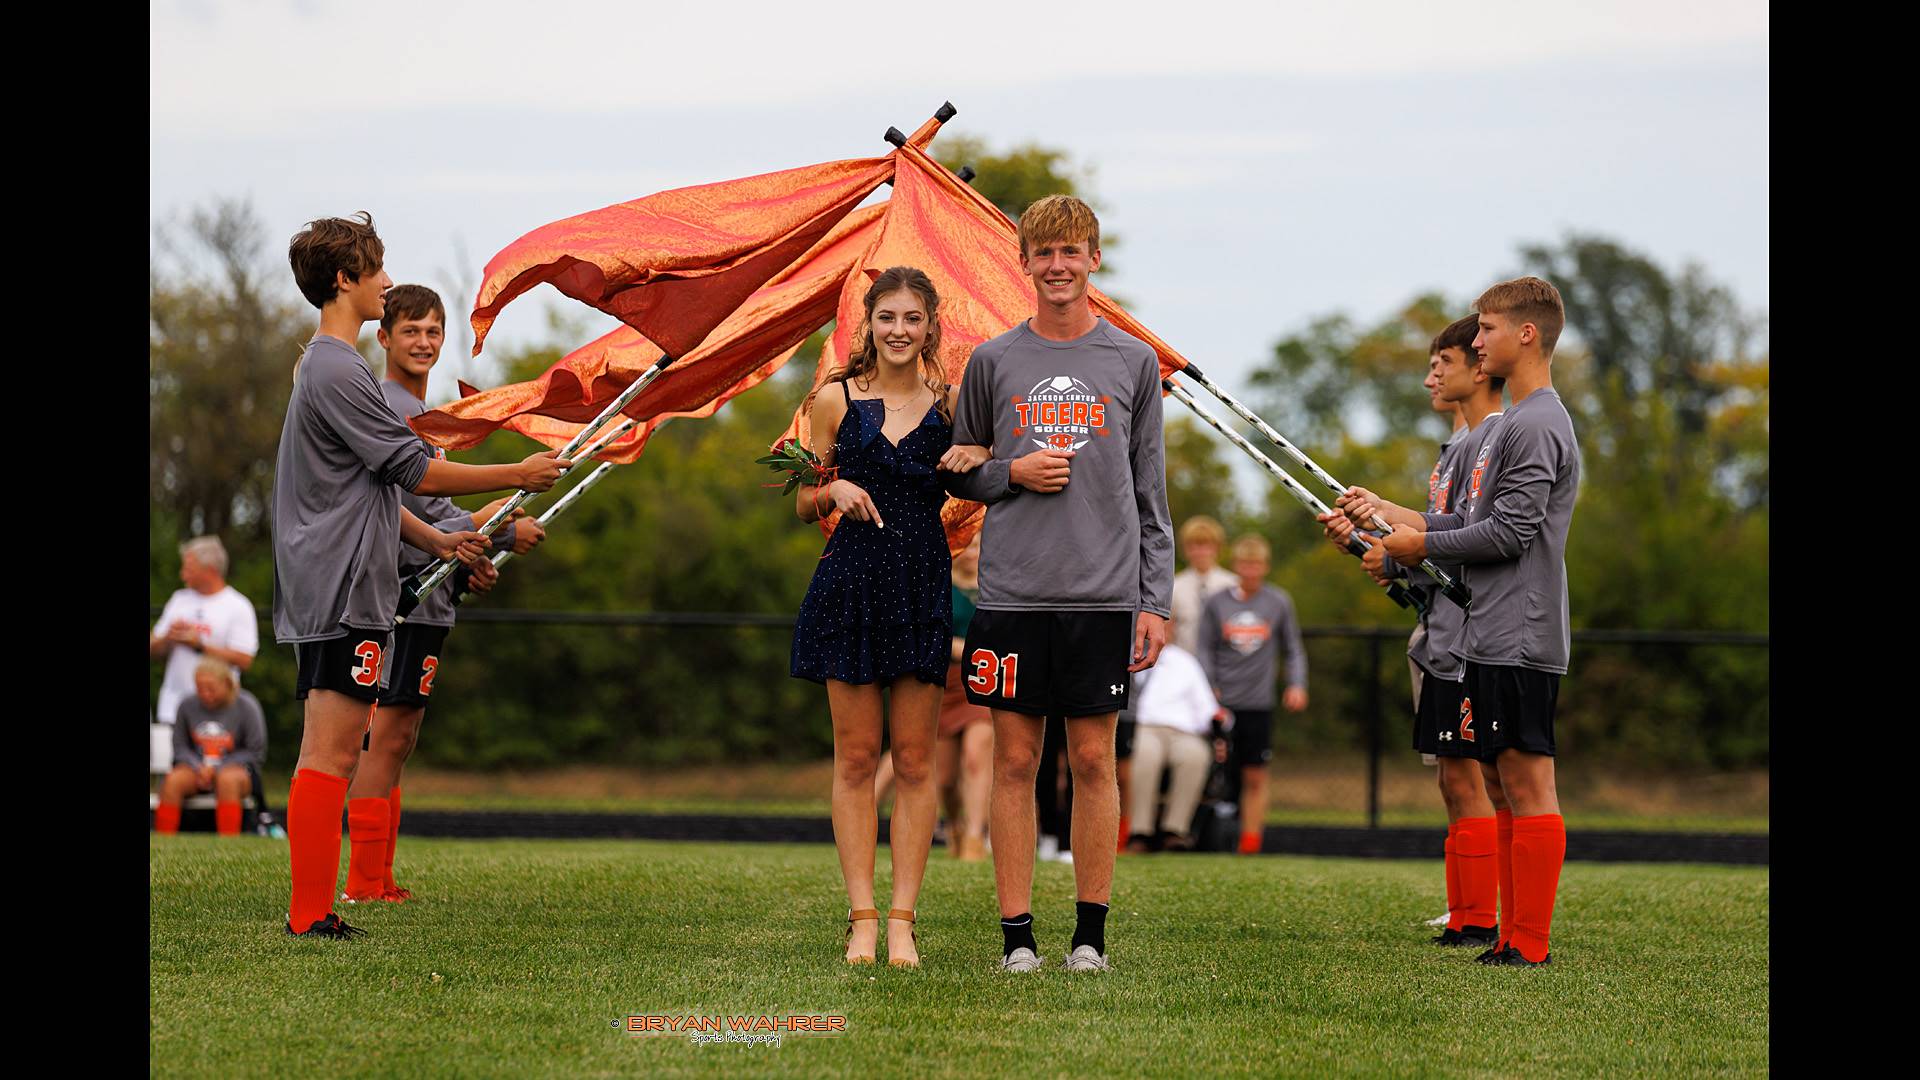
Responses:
[1247,632]
[218,732]
[1510,532]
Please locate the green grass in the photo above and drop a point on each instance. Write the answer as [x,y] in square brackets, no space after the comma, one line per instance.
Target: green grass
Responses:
[518,957]
[1435,818]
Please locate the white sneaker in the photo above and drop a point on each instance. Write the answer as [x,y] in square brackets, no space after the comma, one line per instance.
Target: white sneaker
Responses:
[1064,857]
[1085,959]
[1442,920]
[1049,846]
[1022,959]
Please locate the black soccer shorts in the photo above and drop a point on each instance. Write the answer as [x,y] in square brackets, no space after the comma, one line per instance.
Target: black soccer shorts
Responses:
[1252,736]
[1510,708]
[416,660]
[350,665]
[1050,663]
[1441,722]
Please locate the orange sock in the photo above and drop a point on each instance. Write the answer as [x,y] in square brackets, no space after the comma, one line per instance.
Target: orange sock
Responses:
[393,834]
[166,819]
[1250,843]
[1474,842]
[1539,849]
[1454,912]
[226,817]
[1503,866]
[367,865]
[313,843]
[1123,831]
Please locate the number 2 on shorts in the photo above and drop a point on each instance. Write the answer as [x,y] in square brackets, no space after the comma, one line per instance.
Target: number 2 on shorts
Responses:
[987,671]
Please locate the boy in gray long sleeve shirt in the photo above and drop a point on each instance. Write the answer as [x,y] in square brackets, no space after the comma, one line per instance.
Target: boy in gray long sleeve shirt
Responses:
[1245,633]
[1511,533]
[337,525]
[1076,560]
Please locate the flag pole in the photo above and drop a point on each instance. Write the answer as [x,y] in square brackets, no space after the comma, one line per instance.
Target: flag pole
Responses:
[410,598]
[573,493]
[1354,545]
[1451,589]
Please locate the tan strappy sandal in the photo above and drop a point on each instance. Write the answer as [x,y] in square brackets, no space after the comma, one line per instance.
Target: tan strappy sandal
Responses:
[860,915]
[907,917]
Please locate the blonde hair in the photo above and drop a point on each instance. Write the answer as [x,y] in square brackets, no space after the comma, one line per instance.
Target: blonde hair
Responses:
[1054,218]
[209,665]
[1202,529]
[1528,300]
[1252,547]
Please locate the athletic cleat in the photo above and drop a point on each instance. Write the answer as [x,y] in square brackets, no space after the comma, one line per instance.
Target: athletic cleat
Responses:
[1085,958]
[1021,959]
[329,927]
[1511,957]
[1442,920]
[397,895]
[369,898]
[1484,937]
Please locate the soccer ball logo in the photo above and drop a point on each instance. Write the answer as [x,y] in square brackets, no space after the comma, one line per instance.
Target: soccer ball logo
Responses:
[1060,440]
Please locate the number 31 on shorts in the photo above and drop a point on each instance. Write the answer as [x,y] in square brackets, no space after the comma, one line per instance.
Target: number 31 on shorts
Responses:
[993,674]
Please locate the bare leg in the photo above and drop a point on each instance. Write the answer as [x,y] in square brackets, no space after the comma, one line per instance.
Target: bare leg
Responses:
[946,781]
[396,731]
[1462,790]
[856,755]
[330,738]
[1527,780]
[915,713]
[1096,804]
[976,777]
[1253,799]
[1016,763]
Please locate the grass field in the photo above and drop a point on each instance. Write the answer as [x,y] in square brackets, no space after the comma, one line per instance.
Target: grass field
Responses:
[519,958]
[1304,793]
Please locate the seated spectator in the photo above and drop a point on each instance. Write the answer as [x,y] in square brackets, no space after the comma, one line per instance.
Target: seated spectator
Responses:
[1173,712]
[219,732]
[208,618]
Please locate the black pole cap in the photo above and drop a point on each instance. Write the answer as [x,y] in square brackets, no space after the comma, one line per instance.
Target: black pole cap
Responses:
[894,137]
[966,174]
[945,112]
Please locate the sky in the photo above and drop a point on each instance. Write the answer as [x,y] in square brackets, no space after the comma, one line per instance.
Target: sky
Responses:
[1261,164]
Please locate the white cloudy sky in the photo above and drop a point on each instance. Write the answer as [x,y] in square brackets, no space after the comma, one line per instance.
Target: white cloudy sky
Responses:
[1263,163]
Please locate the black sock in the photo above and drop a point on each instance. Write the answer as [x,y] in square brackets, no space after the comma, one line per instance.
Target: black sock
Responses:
[1018,933]
[1090,926]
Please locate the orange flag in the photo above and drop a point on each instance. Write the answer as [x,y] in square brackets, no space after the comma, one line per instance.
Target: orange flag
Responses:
[673,265]
[971,251]
[627,448]
[760,335]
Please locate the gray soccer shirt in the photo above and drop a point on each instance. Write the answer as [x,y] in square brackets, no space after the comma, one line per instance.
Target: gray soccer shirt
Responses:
[436,510]
[1240,645]
[1434,649]
[344,459]
[237,732]
[1509,527]
[1105,542]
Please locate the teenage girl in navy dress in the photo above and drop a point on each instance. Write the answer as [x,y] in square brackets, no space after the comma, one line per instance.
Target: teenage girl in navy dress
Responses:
[877,619]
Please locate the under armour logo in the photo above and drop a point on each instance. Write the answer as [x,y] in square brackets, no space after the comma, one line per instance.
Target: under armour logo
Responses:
[1446,735]
[1496,725]
[1114,689]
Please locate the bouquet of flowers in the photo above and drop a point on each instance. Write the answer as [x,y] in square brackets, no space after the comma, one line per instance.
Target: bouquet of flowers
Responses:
[801,464]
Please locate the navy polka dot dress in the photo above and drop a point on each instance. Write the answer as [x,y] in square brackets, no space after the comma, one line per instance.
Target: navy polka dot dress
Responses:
[881,602]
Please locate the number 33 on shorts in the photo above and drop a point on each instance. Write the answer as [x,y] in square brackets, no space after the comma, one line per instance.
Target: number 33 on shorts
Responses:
[993,674]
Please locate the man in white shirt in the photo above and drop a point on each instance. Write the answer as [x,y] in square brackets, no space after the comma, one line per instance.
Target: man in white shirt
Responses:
[208,618]
[1173,711]
[1201,539]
